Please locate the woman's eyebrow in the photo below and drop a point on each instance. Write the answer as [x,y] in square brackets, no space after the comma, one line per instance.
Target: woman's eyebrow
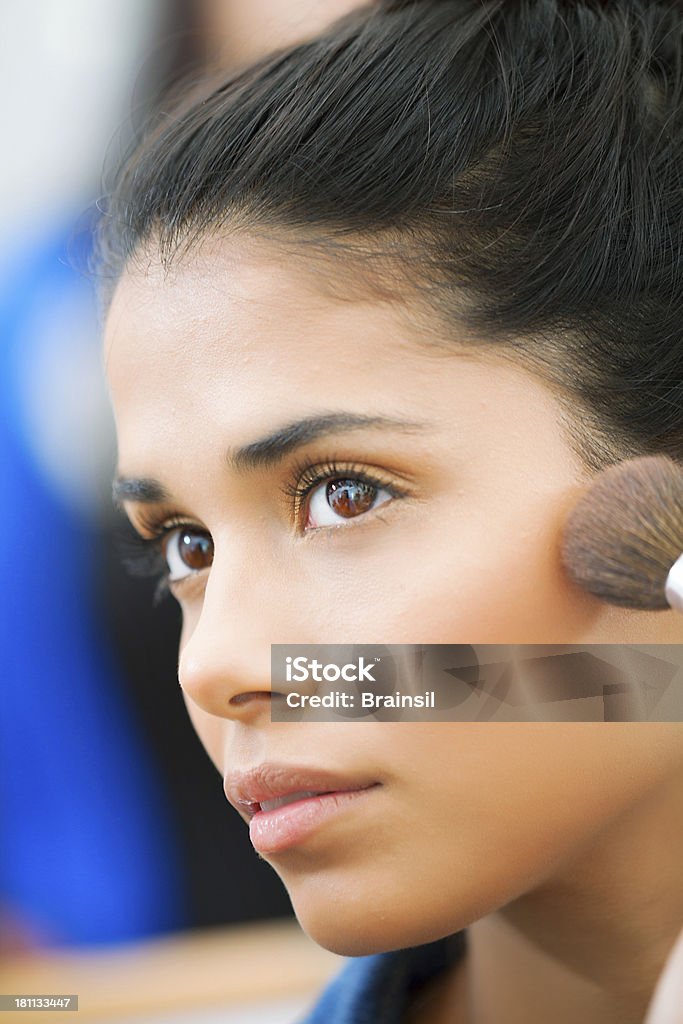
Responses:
[266,451]
[141,490]
[271,449]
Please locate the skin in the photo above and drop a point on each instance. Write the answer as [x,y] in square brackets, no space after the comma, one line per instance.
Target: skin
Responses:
[238,33]
[557,844]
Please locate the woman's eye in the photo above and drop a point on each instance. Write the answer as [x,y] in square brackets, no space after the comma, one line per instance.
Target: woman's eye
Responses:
[343,498]
[186,551]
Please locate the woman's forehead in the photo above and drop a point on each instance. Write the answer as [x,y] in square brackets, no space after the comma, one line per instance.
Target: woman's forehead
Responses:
[226,345]
[236,308]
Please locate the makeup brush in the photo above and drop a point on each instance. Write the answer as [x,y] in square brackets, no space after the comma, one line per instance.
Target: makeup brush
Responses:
[623,540]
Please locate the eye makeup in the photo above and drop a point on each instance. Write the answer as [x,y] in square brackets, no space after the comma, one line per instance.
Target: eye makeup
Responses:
[148,555]
[307,476]
[145,556]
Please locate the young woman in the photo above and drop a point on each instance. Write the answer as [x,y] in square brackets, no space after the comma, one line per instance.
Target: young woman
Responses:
[376,310]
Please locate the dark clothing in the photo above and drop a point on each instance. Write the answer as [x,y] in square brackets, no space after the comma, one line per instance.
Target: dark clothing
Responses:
[378,989]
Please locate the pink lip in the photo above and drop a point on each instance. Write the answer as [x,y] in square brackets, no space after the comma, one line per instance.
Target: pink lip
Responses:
[272,831]
[283,827]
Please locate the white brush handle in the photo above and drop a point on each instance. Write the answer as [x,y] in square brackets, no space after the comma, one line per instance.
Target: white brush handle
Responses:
[673,591]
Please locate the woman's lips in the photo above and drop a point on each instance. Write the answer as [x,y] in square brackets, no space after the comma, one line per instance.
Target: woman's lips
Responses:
[284,804]
[274,830]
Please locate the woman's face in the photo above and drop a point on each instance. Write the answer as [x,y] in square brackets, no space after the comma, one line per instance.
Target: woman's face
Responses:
[244,386]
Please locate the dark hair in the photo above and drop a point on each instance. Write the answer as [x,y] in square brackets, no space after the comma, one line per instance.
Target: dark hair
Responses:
[517,163]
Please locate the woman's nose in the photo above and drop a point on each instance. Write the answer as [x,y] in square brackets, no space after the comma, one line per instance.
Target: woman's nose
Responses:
[224,663]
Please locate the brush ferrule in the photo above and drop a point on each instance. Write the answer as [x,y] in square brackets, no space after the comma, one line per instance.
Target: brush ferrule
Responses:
[673,591]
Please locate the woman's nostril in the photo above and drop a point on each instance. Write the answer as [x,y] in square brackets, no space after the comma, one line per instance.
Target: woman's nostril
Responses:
[244,698]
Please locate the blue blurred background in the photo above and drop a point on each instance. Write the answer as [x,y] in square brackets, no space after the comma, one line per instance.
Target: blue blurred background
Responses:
[114,825]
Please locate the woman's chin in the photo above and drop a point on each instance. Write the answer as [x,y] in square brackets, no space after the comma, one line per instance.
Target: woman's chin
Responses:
[354,928]
[353,938]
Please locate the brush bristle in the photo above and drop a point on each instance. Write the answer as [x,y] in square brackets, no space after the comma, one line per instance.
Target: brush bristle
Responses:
[626,531]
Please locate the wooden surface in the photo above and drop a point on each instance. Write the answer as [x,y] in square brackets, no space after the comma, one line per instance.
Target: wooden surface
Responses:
[254,962]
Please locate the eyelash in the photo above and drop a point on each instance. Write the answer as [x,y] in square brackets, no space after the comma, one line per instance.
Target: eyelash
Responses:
[143,556]
[307,476]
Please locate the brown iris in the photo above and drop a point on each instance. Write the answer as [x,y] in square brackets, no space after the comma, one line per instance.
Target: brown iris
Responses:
[350,497]
[195,549]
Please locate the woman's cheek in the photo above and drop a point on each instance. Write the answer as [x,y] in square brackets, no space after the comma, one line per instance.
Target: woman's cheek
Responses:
[487,588]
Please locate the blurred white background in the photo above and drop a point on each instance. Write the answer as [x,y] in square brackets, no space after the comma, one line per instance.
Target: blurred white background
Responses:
[67,72]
